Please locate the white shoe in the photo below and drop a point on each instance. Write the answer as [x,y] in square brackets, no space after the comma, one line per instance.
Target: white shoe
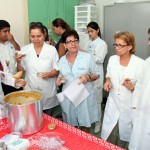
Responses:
[97,127]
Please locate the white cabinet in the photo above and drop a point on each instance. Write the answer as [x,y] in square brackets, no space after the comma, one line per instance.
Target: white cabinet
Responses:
[84,38]
[83,15]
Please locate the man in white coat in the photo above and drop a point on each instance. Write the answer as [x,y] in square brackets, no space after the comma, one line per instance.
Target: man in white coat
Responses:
[8,46]
[140,137]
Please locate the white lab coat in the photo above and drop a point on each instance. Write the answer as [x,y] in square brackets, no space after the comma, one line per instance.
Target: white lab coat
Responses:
[140,137]
[118,106]
[46,62]
[6,79]
[98,50]
[7,52]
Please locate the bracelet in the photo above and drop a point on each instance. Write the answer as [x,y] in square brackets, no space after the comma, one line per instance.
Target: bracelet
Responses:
[133,88]
[89,77]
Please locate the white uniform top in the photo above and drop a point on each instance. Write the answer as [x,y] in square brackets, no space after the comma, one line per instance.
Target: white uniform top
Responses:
[46,62]
[7,52]
[6,79]
[98,50]
[140,137]
[119,103]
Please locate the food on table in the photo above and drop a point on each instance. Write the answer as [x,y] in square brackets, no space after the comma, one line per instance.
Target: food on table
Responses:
[22,98]
[51,126]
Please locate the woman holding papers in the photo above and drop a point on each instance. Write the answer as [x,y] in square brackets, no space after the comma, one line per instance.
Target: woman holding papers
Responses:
[79,70]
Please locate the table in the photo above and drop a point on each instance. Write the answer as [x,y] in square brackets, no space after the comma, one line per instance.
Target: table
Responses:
[75,139]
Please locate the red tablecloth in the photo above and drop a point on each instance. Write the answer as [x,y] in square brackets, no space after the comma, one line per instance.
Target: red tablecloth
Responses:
[75,139]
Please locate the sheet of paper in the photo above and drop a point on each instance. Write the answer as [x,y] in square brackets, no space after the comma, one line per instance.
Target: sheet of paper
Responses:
[60,96]
[76,92]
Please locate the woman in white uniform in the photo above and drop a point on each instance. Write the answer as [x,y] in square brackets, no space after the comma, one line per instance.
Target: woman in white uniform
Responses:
[78,65]
[98,49]
[40,58]
[120,80]
[140,137]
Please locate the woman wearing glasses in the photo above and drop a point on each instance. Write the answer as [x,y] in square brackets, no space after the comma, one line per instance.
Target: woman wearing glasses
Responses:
[78,65]
[120,80]
[40,66]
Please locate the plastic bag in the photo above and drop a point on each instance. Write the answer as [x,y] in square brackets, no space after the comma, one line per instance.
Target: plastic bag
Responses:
[49,141]
[2,111]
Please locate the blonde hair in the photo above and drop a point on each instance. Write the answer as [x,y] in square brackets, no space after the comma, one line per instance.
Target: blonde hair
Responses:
[127,37]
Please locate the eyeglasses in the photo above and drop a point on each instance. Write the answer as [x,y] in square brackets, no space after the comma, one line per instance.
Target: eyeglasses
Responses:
[71,42]
[119,45]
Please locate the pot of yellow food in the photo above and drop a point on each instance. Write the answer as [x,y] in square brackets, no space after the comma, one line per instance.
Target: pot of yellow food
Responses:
[25,111]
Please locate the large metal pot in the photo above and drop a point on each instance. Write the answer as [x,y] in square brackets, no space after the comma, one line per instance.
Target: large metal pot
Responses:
[25,111]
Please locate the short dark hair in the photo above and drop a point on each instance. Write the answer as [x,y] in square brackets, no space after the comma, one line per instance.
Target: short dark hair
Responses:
[4,24]
[149,31]
[68,33]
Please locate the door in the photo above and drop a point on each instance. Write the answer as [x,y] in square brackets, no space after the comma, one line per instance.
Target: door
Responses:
[37,11]
[116,18]
[140,24]
[69,11]
[56,9]
[46,11]
[132,17]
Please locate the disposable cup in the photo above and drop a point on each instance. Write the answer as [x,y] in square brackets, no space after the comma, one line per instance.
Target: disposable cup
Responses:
[40,74]
[63,80]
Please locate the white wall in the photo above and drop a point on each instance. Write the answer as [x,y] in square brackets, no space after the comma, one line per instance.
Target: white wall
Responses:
[16,13]
[101,3]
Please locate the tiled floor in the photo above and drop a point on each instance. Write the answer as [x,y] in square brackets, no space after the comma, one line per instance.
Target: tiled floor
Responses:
[57,111]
